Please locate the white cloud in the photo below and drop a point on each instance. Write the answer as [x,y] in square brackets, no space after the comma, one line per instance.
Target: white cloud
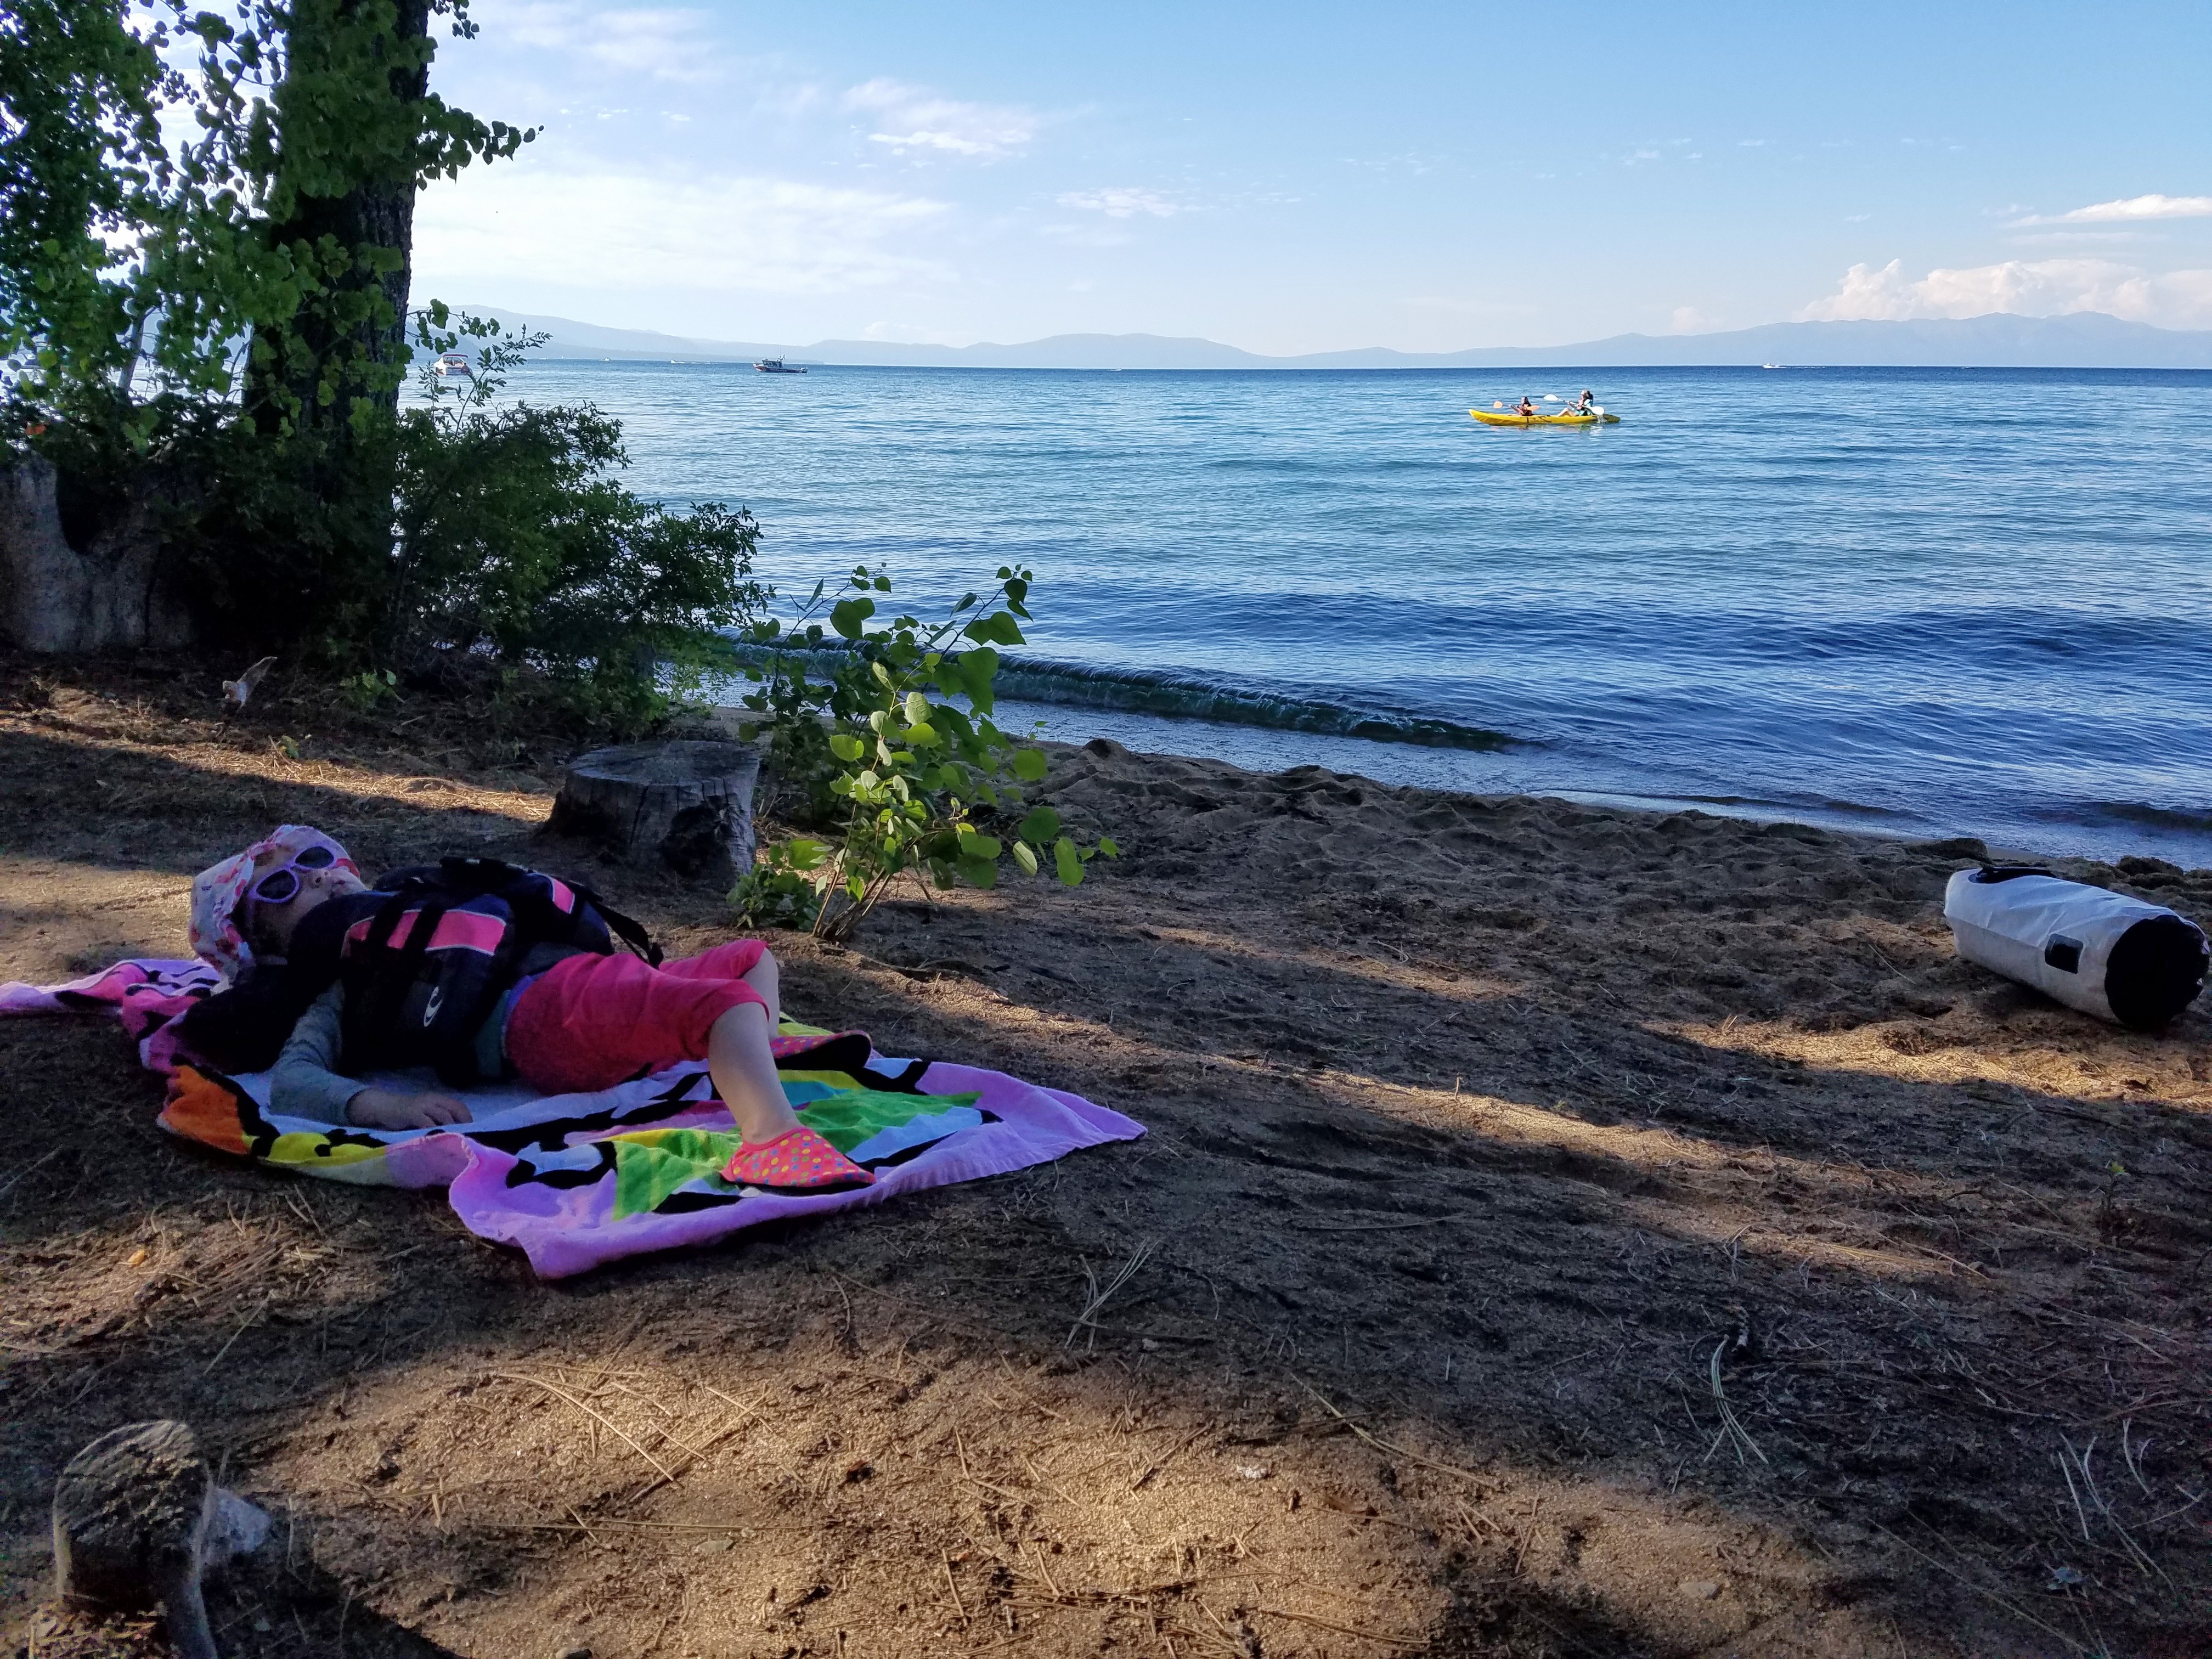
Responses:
[668,43]
[1119,203]
[610,229]
[1088,235]
[2129,211]
[1689,319]
[912,118]
[2033,287]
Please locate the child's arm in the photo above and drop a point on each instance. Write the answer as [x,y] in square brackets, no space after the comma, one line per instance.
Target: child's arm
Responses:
[306,1082]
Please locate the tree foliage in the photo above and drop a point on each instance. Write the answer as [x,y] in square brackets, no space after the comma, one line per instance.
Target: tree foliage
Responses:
[166,177]
[205,225]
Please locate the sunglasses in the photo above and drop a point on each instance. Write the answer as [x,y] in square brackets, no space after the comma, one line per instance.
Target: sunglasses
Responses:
[281,886]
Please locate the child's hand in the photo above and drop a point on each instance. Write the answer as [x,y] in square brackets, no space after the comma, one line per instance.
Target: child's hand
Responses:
[389,1108]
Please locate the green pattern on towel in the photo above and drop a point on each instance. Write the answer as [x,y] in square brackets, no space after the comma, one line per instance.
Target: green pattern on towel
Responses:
[852,1115]
[654,1165]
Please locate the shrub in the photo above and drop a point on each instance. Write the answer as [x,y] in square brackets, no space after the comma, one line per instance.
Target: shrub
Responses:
[873,734]
[510,539]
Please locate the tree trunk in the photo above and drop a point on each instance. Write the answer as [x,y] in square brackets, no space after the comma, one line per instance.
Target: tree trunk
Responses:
[377,212]
[106,591]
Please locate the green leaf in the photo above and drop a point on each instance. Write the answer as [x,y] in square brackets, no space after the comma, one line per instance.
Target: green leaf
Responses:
[979,846]
[998,629]
[847,747]
[883,584]
[917,708]
[979,873]
[1040,825]
[1024,857]
[1030,764]
[805,854]
[1106,846]
[923,735]
[1066,863]
[849,616]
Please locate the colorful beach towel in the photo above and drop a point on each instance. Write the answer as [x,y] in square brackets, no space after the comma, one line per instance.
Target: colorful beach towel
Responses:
[575,1181]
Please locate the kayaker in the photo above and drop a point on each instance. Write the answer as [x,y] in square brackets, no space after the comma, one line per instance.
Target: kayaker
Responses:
[1524,409]
[1583,405]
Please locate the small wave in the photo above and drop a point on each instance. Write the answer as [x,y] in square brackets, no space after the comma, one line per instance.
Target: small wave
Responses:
[1192,696]
[2164,817]
[1184,695]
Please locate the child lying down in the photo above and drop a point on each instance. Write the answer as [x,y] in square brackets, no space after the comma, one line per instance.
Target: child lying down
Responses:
[482,971]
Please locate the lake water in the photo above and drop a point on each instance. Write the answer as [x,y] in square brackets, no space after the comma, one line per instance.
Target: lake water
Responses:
[1920,601]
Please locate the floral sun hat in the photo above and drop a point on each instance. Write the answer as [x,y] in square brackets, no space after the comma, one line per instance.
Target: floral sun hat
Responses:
[218,890]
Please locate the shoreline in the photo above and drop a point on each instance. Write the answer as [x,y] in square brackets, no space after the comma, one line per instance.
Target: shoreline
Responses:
[1268,750]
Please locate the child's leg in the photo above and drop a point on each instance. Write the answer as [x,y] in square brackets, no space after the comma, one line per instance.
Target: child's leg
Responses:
[746,959]
[744,1071]
[593,1021]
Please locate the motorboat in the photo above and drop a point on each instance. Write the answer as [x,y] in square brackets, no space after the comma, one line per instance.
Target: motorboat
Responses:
[454,366]
[777,366]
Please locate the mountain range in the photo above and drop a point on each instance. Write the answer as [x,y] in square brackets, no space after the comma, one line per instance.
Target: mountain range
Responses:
[2001,340]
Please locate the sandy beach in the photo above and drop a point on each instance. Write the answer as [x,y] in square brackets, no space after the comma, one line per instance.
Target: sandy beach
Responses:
[1560,1231]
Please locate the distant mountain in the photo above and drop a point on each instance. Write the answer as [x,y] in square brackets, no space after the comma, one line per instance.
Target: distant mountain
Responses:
[2001,340]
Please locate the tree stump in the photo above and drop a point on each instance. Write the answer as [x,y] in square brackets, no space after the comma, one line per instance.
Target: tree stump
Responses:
[138,1519]
[101,585]
[687,806]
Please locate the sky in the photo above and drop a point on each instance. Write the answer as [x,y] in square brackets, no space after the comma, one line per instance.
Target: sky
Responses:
[1290,177]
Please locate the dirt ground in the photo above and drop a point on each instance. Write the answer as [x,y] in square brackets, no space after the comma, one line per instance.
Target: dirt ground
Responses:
[1561,1232]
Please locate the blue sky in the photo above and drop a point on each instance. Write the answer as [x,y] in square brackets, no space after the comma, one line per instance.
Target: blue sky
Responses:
[1294,178]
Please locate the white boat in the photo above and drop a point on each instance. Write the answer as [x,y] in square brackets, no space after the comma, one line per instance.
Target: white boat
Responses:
[777,366]
[453,366]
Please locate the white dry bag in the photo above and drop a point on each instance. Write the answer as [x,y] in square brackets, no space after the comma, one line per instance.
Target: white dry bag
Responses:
[2104,953]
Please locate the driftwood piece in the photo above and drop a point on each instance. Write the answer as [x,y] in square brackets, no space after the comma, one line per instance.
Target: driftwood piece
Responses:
[138,1519]
[685,804]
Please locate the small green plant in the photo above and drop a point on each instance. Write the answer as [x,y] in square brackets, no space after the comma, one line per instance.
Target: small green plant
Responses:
[780,890]
[870,728]
[370,688]
[2114,1220]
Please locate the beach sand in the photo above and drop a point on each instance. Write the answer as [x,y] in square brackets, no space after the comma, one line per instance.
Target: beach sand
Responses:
[1478,1127]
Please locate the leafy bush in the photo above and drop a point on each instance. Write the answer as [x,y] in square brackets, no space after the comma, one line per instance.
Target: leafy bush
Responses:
[508,540]
[873,735]
[517,539]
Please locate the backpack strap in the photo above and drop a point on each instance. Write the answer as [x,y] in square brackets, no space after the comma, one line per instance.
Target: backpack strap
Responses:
[629,931]
[375,990]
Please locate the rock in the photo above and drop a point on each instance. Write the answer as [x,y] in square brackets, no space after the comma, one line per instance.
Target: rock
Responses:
[686,805]
[138,1519]
[1700,1590]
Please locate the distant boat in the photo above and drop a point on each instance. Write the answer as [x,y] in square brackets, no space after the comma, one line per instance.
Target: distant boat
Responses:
[776,366]
[453,366]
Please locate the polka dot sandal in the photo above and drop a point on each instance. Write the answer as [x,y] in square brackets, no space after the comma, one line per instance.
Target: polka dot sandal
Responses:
[797,1161]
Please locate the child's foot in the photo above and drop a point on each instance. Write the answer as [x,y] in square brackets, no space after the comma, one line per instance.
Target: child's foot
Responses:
[797,1160]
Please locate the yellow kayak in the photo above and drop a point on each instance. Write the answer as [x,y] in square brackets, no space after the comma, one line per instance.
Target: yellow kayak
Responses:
[1489,419]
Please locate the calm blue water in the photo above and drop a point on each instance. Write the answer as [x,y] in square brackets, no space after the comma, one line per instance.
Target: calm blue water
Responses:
[1917,600]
